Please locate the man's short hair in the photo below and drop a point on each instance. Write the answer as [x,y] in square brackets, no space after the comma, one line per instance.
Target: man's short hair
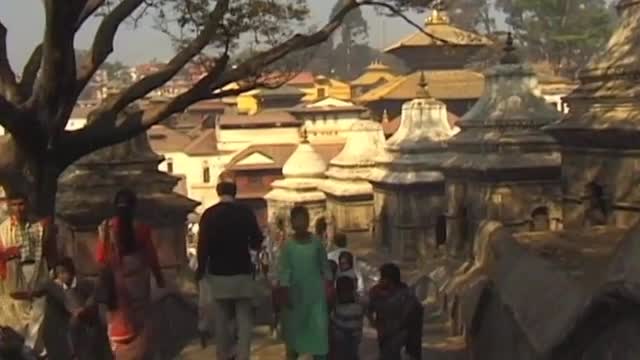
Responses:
[226,188]
[391,272]
[16,195]
[67,264]
[340,240]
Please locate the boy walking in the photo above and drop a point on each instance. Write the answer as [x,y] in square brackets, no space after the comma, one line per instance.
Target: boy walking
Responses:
[397,315]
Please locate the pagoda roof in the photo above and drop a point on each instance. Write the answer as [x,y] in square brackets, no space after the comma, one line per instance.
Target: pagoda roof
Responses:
[605,112]
[374,73]
[443,34]
[443,85]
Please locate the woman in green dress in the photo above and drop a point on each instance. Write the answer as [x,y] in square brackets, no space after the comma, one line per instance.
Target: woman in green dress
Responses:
[303,270]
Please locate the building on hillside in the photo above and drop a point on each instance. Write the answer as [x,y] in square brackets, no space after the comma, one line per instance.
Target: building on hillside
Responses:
[328,119]
[236,132]
[448,48]
[254,101]
[198,162]
[258,166]
[374,76]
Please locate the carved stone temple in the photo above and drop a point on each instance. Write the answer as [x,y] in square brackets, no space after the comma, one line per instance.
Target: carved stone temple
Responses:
[502,166]
[407,183]
[86,196]
[349,193]
[303,172]
[570,293]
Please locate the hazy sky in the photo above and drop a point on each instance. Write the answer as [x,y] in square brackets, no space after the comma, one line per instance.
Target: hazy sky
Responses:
[24,20]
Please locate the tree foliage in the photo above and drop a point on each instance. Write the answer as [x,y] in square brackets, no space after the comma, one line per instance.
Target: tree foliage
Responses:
[354,34]
[564,33]
[37,104]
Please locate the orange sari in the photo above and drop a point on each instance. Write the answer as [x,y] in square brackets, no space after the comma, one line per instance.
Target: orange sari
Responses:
[129,324]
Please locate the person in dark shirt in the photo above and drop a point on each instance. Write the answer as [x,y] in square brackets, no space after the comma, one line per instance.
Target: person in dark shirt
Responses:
[228,232]
[76,298]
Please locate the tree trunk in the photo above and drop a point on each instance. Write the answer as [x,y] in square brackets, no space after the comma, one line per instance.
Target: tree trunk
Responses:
[43,187]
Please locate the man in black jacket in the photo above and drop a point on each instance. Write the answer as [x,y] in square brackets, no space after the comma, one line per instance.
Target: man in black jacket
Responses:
[228,232]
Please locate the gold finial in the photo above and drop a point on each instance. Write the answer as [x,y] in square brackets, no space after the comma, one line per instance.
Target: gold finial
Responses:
[423,87]
[305,137]
[438,14]
[510,56]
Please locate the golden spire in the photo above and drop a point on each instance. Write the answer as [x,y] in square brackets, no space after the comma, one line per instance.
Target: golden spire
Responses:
[423,87]
[385,116]
[438,14]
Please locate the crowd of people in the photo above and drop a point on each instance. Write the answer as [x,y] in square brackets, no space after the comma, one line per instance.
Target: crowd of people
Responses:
[39,288]
[319,296]
[317,290]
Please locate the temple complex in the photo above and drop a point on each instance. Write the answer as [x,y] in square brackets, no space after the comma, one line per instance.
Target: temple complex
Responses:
[374,75]
[442,56]
[86,195]
[349,193]
[303,172]
[570,292]
[502,166]
[407,182]
[447,47]
[600,137]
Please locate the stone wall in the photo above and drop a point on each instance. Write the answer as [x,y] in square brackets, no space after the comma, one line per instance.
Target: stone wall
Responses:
[405,220]
[513,204]
[616,173]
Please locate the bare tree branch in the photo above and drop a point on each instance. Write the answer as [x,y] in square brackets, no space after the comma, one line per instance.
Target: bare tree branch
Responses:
[143,87]
[30,72]
[108,126]
[396,12]
[8,83]
[89,9]
[103,42]
[58,55]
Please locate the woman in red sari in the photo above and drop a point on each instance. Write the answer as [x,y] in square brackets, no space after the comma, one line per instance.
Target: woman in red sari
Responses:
[129,259]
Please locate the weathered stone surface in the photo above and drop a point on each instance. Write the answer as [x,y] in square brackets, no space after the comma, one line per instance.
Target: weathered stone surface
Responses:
[407,182]
[349,194]
[303,172]
[502,166]
[86,196]
[601,134]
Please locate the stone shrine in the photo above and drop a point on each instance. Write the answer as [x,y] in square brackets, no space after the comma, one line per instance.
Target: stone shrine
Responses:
[349,193]
[502,166]
[570,293]
[407,183]
[85,199]
[303,172]
[600,137]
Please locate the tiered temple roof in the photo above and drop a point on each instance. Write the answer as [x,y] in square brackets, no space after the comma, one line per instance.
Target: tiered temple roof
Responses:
[348,172]
[414,153]
[502,133]
[303,172]
[605,108]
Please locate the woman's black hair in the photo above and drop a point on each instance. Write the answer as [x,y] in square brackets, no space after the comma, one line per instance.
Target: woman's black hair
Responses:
[346,255]
[391,272]
[125,202]
[346,290]
[67,264]
[299,211]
